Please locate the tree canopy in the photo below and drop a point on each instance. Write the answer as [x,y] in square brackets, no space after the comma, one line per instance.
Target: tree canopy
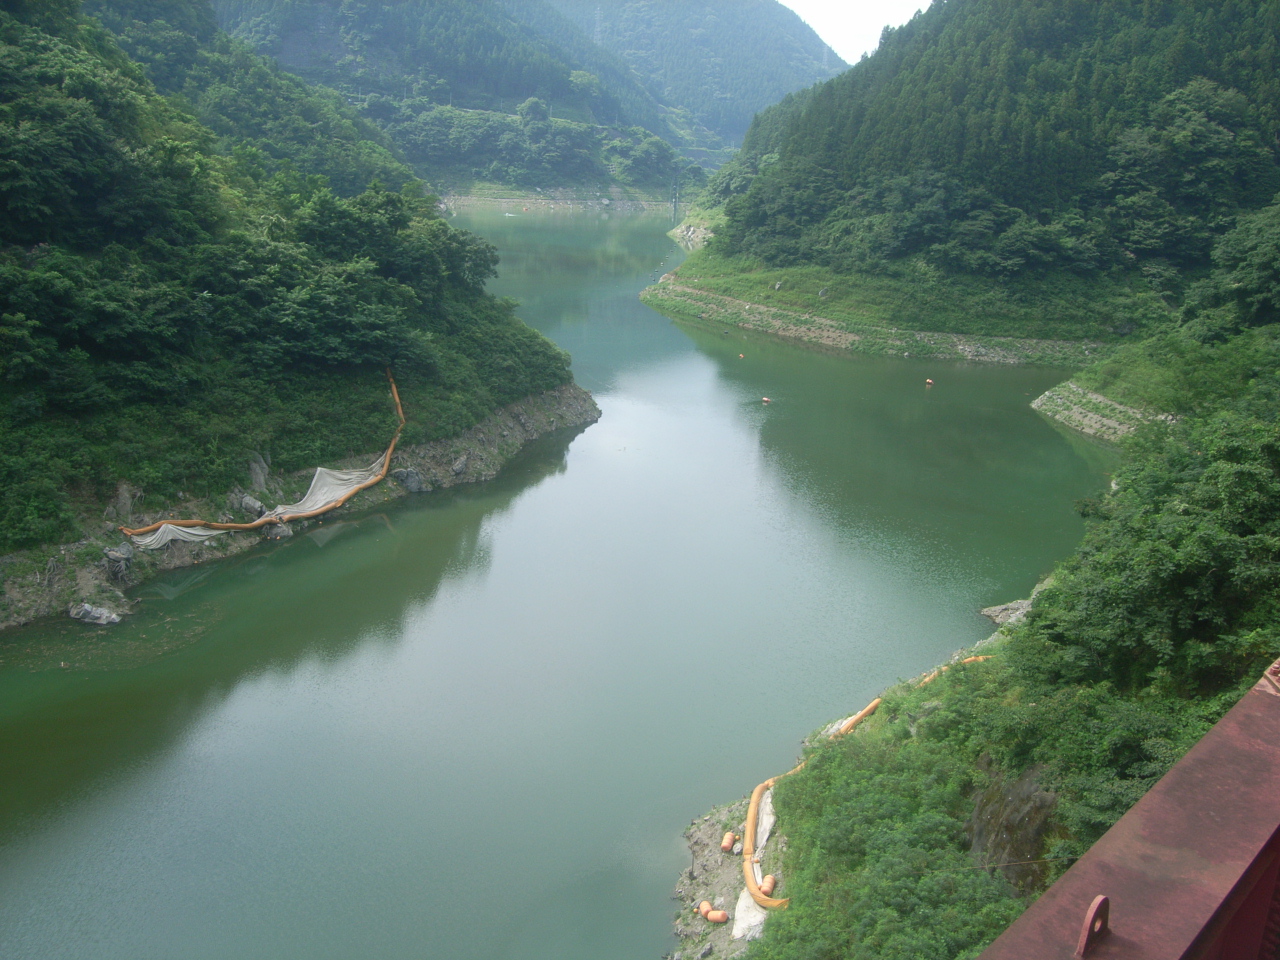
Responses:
[174,298]
[995,138]
[451,84]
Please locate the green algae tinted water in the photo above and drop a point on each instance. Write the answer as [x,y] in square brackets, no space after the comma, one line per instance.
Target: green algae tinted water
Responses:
[475,725]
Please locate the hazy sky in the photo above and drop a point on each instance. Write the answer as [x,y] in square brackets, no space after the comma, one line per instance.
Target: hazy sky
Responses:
[852,27]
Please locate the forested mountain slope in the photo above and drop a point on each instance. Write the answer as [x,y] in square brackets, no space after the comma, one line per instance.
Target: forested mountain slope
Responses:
[723,60]
[617,94]
[173,300]
[1001,139]
[464,53]
[266,116]
[469,92]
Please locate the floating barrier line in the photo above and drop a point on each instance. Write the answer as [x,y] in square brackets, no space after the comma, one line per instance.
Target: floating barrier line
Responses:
[268,519]
[753,808]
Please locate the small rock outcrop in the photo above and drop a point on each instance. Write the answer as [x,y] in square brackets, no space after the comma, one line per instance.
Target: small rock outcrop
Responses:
[692,236]
[92,614]
[258,470]
[411,480]
[122,504]
[1011,827]
[119,560]
[1007,612]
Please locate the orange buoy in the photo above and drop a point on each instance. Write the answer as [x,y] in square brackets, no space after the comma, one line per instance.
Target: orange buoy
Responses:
[717,916]
[765,400]
[704,908]
[767,884]
[727,842]
[742,356]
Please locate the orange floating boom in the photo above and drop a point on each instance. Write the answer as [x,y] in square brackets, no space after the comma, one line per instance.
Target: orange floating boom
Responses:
[757,890]
[858,717]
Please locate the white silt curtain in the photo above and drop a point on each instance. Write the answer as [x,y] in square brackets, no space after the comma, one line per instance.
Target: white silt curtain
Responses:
[327,488]
[168,533]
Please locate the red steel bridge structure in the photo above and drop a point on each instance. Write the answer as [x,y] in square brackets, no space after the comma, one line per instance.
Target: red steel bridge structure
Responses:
[1192,872]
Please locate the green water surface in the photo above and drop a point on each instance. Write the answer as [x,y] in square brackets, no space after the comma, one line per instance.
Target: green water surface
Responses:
[475,725]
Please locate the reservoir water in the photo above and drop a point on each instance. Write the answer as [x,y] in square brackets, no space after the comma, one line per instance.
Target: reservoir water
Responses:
[475,725]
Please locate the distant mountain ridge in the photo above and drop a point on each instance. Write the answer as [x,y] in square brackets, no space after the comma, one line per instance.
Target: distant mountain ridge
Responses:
[462,53]
[685,76]
[722,60]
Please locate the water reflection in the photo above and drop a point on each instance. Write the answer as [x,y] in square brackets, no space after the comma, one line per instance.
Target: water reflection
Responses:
[475,727]
[199,631]
[957,473]
[610,260]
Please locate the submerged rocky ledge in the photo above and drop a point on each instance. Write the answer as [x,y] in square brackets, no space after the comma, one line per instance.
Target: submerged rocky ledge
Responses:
[88,578]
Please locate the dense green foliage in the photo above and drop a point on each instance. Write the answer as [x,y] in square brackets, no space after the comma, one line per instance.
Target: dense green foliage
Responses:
[269,119]
[722,60]
[469,91]
[463,53]
[530,149]
[880,829]
[994,138]
[1180,583]
[166,309]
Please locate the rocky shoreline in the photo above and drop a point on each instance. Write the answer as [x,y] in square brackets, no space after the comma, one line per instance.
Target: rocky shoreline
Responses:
[690,235]
[1008,825]
[690,304]
[561,200]
[88,578]
[715,875]
[1091,413]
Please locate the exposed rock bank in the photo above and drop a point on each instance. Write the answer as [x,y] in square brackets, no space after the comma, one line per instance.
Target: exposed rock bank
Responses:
[688,303]
[87,579]
[716,876]
[1089,412]
[1011,827]
[479,453]
[692,236]
[516,202]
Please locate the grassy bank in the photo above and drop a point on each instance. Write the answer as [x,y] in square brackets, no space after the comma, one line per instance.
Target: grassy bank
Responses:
[916,309]
[694,305]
